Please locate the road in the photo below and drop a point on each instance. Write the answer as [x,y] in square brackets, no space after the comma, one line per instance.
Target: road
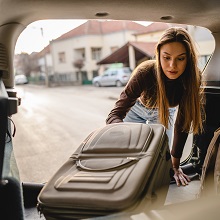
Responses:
[52,122]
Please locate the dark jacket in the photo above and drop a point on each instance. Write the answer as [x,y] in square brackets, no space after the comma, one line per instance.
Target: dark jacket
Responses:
[143,85]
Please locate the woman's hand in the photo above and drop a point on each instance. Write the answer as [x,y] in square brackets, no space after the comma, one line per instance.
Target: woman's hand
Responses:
[180,177]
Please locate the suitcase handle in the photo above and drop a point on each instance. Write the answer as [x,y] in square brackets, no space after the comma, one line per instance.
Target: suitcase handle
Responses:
[131,161]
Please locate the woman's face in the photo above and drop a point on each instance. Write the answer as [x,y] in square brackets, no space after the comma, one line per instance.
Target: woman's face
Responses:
[173,59]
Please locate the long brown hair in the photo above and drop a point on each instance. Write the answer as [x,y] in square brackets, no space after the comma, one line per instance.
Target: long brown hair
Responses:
[192,103]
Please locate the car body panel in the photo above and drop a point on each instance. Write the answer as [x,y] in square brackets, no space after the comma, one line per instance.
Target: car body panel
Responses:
[20,79]
[16,15]
[113,77]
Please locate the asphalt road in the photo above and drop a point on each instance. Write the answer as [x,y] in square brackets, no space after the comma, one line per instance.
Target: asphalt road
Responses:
[52,122]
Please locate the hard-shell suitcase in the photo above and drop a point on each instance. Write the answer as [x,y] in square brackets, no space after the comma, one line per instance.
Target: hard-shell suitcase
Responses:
[113,170]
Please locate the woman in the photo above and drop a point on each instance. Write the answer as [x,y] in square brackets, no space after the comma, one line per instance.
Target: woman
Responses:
[158,86]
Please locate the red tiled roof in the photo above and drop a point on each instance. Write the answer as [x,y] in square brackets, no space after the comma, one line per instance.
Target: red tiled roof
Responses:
[148,48]
[154,27]
[102,27]
[142,49]
[158,26]
[43,52]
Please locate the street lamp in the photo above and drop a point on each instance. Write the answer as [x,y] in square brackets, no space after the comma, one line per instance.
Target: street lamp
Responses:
[44,56]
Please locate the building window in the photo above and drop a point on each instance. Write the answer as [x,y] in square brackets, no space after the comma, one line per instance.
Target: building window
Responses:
[62,57]
[79,54]
[96,53]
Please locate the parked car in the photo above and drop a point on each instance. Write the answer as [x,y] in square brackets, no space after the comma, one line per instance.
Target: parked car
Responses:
[113,77]
[21,79]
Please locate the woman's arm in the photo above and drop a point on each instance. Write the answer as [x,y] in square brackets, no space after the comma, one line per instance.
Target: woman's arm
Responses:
[122,106]
[179,141]
[136,85]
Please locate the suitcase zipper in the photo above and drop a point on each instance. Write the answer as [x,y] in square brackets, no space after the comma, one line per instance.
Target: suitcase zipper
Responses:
[131,161]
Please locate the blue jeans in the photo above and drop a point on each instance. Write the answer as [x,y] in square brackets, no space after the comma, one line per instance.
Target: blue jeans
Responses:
[140,114]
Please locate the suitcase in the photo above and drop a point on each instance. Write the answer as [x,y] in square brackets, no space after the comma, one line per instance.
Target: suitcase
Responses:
[115,169]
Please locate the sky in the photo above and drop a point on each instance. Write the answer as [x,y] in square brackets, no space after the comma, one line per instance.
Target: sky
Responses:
[33,40]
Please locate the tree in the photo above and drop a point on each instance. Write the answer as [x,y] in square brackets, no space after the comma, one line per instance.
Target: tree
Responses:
[25,63]
[79,64]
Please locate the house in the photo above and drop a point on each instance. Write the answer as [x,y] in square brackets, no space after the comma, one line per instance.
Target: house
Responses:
[75,54]
[153,32]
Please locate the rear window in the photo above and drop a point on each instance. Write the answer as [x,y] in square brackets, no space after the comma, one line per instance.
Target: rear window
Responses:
[127,70]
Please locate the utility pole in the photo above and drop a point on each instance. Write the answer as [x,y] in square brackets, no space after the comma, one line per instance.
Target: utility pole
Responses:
[45,62]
